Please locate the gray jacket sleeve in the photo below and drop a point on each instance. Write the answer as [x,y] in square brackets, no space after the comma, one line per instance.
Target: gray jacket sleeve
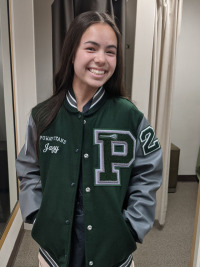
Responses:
[146,178]
[28,172]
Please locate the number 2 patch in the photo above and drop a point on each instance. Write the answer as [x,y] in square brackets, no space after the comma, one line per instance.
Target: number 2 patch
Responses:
[149,141]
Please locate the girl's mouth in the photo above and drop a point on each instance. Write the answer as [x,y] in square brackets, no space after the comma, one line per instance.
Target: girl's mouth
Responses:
[97,72]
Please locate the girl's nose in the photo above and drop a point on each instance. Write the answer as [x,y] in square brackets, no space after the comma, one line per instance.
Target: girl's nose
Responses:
[99,58]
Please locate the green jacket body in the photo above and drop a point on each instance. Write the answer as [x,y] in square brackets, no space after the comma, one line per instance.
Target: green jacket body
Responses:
[120,159]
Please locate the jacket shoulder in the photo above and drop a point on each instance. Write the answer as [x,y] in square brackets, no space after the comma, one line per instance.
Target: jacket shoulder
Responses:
[129,108]
[129,104]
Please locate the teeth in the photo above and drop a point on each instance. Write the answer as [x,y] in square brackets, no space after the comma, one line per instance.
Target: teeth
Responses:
[98,72]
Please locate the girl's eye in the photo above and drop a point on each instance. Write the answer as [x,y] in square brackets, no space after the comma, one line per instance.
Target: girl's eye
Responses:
[90,49]
[111,52]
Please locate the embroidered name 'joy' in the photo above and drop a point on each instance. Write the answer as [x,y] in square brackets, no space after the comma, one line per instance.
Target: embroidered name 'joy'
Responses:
[53,149]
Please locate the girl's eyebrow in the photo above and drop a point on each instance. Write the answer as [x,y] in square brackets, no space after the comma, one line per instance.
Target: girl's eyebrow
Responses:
[96,44]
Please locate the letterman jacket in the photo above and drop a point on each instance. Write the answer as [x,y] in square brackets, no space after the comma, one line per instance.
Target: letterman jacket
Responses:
[121,163]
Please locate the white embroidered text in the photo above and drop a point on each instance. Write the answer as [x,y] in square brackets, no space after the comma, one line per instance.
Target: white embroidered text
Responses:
[53,138]
[53,149]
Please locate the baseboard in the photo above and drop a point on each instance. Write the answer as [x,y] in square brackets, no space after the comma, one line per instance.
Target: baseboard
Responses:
[16,247]
[28,226]
[187,178]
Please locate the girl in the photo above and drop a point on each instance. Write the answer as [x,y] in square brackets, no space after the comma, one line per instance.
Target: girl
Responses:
[91,164]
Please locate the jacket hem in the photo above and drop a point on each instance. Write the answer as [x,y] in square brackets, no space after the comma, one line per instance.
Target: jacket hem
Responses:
[48,258]
[127,262]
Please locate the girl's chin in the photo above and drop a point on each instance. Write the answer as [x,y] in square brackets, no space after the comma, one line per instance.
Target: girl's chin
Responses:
[95,85]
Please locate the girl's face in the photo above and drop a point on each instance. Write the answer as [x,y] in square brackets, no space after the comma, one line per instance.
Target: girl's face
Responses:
[95,58]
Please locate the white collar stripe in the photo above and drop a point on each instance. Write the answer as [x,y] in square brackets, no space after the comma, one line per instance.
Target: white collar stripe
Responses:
[72,98]
[69,101]
[96,98]
[99,98]
[99,92]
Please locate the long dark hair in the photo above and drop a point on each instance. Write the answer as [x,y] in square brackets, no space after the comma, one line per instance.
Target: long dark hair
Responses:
[114,87]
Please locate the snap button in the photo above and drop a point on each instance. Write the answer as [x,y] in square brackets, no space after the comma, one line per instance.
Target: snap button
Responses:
[77,150]
[86,156]
[91,263]
[79,116]
[67,221]
[87,189]
[89,227]
[72,184]
[84,121]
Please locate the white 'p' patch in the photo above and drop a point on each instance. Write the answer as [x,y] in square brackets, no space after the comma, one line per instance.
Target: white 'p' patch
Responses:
[116,150]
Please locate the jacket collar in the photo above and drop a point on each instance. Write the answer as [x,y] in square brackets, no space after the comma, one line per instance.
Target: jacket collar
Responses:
[90,106]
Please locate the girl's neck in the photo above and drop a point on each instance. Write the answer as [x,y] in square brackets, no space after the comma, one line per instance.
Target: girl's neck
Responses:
[83,96]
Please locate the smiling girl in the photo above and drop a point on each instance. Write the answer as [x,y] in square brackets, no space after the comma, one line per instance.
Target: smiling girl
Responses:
[93,197]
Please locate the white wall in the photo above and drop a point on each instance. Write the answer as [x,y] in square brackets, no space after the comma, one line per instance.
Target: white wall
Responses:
[23,63]
[131,8]
[43,49]
[32,57]
[186,100]
[142,54]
